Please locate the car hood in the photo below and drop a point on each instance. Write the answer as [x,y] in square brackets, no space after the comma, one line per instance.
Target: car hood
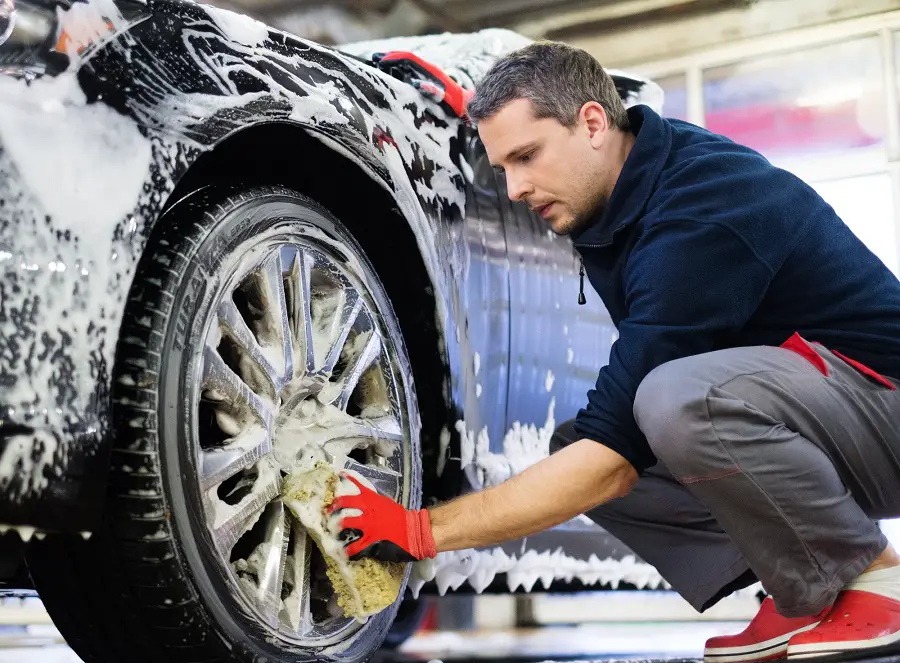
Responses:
[465,56]
[468,56]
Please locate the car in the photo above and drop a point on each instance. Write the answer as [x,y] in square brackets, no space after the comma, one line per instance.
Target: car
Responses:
[224,248]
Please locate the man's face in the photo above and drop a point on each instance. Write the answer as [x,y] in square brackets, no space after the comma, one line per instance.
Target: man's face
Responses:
[557,170]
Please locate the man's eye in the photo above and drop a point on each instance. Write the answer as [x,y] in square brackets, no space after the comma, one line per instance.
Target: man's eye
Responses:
[525,158]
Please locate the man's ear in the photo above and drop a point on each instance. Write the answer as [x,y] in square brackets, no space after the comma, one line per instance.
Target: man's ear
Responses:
[595,121]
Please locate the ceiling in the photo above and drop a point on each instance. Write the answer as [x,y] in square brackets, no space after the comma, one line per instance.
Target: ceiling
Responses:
[337,21]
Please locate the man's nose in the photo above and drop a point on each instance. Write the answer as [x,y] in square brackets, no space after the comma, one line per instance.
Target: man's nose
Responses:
[517,188]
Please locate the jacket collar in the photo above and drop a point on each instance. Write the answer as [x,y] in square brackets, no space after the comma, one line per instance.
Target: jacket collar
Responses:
[637,181]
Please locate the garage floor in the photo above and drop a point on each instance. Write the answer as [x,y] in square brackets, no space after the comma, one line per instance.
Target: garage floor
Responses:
[632,642]
[593,642]
[35,640]
[481,628]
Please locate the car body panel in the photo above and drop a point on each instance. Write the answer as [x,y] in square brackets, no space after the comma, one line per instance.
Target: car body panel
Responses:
[156,98]
[138,109]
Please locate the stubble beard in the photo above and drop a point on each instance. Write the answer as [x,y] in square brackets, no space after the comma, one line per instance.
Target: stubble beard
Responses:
[580,220]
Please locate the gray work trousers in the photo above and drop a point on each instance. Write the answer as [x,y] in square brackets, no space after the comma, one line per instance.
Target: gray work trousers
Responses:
[768,470]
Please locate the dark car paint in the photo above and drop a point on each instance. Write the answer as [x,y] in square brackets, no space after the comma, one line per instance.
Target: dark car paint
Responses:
[505,287]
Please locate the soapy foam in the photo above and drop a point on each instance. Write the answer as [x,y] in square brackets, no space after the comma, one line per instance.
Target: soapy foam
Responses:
[443,449]
[449,570]
[25,533]
[47,127]
[86,24]
[523,446]
[239,27]
[526,445]
[464,57]
[490,468]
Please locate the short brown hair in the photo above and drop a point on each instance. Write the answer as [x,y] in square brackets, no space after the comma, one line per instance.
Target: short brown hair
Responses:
[557,78]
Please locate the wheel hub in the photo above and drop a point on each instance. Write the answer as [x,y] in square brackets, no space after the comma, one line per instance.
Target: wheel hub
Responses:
[295,369]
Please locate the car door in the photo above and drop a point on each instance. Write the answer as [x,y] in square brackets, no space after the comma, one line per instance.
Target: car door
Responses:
[529,348]
[557,346]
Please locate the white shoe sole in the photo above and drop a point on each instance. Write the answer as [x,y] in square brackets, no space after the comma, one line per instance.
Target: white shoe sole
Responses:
[754,652]
[826,648]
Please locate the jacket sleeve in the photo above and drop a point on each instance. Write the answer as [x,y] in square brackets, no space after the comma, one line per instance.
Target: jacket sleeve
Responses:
[687,285]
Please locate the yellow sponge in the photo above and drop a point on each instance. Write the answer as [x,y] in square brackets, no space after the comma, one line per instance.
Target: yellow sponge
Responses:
[363,587]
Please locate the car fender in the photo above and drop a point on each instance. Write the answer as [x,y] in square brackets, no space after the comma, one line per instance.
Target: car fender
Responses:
[137,114]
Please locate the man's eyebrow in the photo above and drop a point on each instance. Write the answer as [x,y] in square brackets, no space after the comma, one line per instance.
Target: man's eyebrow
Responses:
[515,152]
[519,150]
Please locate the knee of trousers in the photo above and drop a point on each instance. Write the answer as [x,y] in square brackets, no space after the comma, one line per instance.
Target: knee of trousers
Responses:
[671,410]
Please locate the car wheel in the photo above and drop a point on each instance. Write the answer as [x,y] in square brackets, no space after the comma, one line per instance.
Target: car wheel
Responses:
[256,335]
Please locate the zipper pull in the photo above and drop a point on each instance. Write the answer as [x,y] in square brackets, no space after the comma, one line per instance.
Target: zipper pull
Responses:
[581,299]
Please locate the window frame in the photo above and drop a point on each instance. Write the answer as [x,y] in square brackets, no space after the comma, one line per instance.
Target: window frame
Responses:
[885,26]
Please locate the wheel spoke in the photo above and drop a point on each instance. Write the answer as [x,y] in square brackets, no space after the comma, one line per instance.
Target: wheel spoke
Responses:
[357,366]
[349,428]
[236,327]
[273,275]
[353,304]
[296,614]
[271,565]
[219,378]
[233,522]
[217,465]
[387,481]
[298,287]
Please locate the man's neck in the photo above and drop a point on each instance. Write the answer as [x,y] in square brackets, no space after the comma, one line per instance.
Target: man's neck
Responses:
[620,146]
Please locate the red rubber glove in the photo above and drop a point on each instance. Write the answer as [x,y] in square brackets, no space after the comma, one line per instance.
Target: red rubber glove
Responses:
[427,78]
[386,531]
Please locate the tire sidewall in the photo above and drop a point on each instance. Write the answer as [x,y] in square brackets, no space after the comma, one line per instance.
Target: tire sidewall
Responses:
[253,213]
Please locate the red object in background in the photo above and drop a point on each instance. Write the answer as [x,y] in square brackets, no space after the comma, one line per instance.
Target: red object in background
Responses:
[777,130]
[430,621]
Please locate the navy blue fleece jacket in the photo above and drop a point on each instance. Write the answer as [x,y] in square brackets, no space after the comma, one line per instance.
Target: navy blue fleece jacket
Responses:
[705,245]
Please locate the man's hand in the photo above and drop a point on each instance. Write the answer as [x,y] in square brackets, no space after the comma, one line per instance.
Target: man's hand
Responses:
[385,530]
[426,78]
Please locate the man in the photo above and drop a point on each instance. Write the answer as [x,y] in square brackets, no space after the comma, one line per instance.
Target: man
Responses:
[744,428]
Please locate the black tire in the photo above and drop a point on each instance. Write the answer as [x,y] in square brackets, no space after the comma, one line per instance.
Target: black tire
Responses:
[146,586]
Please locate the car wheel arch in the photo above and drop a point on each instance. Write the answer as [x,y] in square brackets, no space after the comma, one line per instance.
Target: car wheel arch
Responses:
[288,154]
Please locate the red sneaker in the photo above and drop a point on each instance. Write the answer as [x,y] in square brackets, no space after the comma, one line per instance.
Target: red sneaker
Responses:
[764,639]
[860,622]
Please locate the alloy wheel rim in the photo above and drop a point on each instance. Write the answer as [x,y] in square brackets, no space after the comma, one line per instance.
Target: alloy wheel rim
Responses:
[295,368]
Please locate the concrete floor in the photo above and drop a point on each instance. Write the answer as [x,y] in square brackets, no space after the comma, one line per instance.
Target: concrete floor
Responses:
[633,642]
[668,630]
[594,642]
[587,641]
